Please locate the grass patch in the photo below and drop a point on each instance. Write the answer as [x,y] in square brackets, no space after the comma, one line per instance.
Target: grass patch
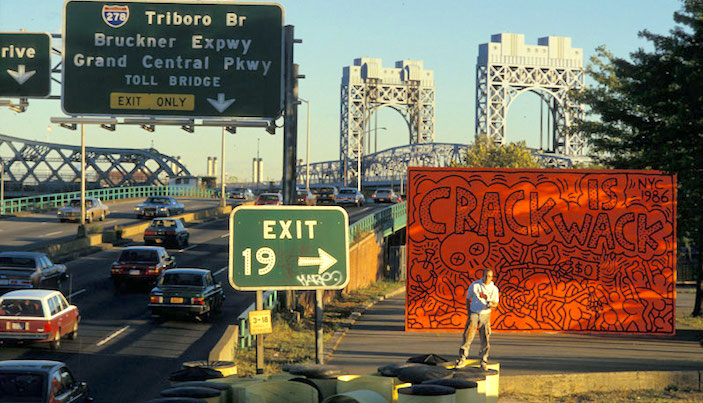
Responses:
[295,342]
[694,322]
[668,395]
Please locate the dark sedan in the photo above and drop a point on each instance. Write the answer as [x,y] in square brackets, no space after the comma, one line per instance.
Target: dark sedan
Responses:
[325,194]
[186,292]
[140,264]
[40,381]
[166,231]
[21,270]
[159,206]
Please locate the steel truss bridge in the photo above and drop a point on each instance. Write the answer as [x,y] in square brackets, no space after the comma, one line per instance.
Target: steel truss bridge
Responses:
[38,166]
[389,166]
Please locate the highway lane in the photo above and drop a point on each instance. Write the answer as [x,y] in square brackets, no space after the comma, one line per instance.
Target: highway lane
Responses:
[36,230]
[124,354]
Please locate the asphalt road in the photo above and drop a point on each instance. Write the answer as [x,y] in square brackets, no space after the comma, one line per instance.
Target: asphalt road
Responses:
[124,354]
[35,230]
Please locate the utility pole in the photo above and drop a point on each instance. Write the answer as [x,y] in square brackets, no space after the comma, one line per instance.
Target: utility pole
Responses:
[83,176]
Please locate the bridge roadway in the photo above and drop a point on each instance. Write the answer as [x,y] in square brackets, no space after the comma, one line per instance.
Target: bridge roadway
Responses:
[35,230]
[124,354]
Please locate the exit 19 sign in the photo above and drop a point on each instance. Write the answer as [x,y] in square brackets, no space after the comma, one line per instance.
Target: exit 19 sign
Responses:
[288,248]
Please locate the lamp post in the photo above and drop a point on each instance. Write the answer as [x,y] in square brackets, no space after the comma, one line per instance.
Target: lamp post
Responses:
[2,187]
[358,159]
[307,145]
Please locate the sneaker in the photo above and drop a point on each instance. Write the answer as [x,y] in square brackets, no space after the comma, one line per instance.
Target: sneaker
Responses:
[484,366]
[460,362]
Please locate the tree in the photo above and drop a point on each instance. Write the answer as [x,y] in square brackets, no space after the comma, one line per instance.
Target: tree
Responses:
[648,114]
[484,153]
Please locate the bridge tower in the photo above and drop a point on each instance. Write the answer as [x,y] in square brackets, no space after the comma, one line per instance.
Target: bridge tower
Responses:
[506,68]
[366,87]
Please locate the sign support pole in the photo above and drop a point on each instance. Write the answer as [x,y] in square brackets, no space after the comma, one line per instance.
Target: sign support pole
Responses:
[223,200]
[2,187]
[290,132]
[319,341]
[259,337]
[83,176]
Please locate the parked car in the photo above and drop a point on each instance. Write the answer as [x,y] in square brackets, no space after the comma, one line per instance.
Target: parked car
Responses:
[94,210]
[186,292]
[386,196]
[350,196]
[20,270]
[167,231]
[266,199]
[240,194]
[140,264]
[325,194]
[40,381]
[41,316]
[159,206]
[305,197]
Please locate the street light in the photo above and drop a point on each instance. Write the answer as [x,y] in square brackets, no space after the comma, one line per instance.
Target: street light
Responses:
[307,145]
[358,159]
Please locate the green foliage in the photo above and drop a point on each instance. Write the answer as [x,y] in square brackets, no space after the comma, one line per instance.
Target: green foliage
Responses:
[646,112]
[484,153]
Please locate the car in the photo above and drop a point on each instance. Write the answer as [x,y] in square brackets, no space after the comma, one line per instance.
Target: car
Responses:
[325,194]
[240,194]
[21,270]
[350,196]
[40,381]
[167,231]
[305,197]
[159,206]
[42,316]
[386,196]
[140,264]
[266,199]
[94,210]
[186,292]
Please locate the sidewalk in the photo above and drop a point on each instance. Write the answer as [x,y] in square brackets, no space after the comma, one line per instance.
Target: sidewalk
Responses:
[378,338]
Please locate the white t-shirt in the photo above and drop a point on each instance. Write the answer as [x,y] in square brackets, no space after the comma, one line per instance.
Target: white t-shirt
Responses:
[480,295]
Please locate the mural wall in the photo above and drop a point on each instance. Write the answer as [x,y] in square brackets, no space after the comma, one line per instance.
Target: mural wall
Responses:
[586,251]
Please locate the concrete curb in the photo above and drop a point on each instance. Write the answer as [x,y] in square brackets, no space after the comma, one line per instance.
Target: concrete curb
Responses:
[340,333]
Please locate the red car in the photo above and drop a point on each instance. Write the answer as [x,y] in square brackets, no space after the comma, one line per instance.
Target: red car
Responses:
[140,264]
[269,199]
[37,315]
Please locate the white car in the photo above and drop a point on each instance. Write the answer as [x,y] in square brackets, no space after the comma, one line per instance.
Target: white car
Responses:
[94,210]
[350,196]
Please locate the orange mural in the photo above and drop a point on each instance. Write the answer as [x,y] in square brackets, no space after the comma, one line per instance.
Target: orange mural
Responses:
[572,250]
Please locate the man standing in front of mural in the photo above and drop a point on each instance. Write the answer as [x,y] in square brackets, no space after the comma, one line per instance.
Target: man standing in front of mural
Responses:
[481,296]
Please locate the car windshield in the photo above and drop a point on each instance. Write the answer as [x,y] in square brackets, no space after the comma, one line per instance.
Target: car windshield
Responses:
[17,262]
[139,256]
[21,307]
[268,197]
[163,224]
[77,203]
[182,279]
[324,190]
[347,191]
[21,386]
[158,200]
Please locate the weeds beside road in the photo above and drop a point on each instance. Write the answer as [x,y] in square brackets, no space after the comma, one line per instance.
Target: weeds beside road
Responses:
[671,394]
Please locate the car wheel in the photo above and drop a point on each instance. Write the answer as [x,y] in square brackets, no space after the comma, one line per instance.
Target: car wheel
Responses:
[186,242]
[58,284]
[74,333]
[102,216]
[89,219]
[56,343]
[63,220]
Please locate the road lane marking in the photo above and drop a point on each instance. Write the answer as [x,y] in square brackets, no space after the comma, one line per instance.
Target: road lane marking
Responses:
[76,293]
[225,235]
[110,222]
[112,336]
[52,233]
[219,271]
[188,248]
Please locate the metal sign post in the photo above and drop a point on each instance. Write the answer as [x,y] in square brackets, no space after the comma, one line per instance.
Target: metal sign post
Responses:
[259,337]
[83,177]
[2,187]
[290,131]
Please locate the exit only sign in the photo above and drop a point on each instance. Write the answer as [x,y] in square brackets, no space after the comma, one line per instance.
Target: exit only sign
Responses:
[288,248]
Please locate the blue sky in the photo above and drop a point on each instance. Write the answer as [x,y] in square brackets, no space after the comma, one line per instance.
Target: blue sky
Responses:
[445,35]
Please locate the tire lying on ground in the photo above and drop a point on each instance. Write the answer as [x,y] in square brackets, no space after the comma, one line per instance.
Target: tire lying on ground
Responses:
[423,372]
[392,369]
[194,374]
[195,392]
[426,390]
[224,388]
[452,383]
[177,400]
[429,359]
[314,371]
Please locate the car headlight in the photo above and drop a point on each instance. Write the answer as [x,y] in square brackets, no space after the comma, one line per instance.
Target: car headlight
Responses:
[162,209]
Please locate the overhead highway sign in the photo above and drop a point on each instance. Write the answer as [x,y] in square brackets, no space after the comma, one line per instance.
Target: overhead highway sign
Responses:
[25,64]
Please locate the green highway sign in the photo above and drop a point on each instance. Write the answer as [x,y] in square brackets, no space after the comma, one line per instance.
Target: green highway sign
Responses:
[25,64]
[201,59]
[288,248]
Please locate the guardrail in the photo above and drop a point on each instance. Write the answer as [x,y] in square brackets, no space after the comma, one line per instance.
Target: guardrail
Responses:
[270,302]
[43,202]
